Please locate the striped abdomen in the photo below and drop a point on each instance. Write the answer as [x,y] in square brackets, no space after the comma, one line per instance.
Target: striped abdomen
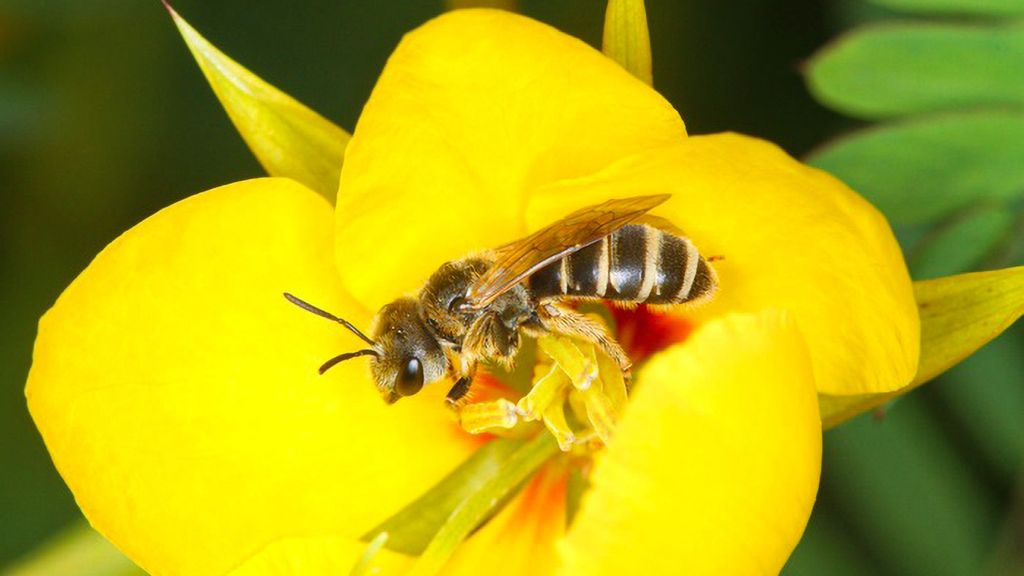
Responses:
[636,263]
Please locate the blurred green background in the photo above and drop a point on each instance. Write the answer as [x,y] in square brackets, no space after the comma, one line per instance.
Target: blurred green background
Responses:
[105,118]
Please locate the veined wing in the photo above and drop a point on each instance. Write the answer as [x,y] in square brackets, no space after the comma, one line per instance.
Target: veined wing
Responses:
[518,260]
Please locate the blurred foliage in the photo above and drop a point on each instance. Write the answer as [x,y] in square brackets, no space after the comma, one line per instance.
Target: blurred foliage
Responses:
[893,69]
[921,170]
[946,168]
[958,7]
[104,119]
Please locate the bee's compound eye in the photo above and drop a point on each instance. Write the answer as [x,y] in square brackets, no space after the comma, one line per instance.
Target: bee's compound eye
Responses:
[410,380]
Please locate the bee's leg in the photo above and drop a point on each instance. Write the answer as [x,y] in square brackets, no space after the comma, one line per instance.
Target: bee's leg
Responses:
[458,391]
[489,337]
[478,417]
[564,320]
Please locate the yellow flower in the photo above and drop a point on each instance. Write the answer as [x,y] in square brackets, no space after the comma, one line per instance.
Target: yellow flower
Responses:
[177,391]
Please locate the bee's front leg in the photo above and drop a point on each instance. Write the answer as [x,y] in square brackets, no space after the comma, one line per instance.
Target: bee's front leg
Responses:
[458,391]
[476,417]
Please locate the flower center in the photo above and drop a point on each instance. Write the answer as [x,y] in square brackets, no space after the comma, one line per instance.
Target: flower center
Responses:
[576,391]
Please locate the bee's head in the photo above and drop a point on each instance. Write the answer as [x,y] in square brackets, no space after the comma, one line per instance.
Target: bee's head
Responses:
[409,356]
[404,354]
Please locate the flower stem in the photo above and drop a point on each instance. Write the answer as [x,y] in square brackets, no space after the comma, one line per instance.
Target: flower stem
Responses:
[363,564]
[474,509]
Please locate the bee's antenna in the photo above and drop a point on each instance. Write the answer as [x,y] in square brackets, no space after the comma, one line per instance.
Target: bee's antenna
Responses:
[342,357]
[310,308]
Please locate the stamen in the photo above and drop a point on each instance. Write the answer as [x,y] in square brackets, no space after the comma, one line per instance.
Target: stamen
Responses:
[593,400]
[554,420]
[581,368]
[612,383]
[486,416]
[572,374]
[599,412]
[547,389]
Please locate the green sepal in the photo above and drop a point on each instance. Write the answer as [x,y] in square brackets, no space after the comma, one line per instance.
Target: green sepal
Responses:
[288,138]
[626,37]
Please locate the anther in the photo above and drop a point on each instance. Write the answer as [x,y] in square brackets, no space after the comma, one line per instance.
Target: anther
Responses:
[554,420]
[485,416]
[599,412]
[581,369]
[613,384]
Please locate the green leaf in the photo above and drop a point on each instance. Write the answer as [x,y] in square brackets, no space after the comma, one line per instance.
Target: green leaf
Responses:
[916,172]
[626,38]
[411,529]
[917,507]
[484,502]
[287,138]
[896,69]
[979,7]
[962,244]
[959,315]
[76,551]
[827,548]
[985,398]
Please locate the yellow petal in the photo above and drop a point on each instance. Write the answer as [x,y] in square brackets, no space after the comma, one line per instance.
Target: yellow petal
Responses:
[714,468]
[315,555]
[626,38]
[790,237]
[177,390]
[473,110]
[959,315]
[288,138]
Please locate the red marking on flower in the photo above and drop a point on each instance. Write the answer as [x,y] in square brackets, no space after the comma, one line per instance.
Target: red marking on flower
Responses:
[643,332]
[487,387]
[543,500]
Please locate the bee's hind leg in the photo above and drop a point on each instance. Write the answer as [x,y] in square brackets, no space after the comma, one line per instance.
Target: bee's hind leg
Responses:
[564,320]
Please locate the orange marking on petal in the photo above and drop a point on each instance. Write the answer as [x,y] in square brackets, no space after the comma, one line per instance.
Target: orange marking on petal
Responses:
[522,538]
[643,332]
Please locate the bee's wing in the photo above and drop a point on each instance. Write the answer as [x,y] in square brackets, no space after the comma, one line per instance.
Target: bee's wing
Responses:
[519,259]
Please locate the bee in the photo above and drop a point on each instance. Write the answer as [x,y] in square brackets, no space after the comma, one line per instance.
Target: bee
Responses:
[477,309]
